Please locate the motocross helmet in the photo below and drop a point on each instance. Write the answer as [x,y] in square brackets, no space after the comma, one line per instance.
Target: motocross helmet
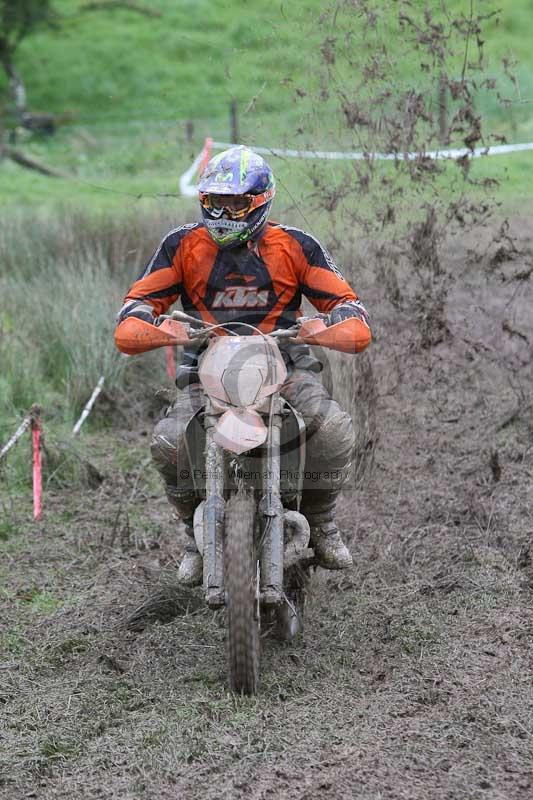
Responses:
[236,190]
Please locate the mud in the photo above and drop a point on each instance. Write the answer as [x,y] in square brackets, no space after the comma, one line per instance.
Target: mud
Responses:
[413,679]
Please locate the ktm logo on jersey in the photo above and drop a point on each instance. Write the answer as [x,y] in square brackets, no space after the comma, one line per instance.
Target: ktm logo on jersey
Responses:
[241,297]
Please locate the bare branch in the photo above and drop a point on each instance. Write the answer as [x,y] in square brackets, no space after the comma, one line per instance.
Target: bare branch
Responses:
[107,5]
[30,163]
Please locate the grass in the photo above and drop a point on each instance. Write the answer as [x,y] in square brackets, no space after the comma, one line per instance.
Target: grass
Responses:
[131,96]
[66,278]
[209,56]
[108,190]
[100,64]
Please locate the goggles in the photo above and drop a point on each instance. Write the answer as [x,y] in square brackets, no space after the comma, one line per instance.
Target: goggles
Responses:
[234,206]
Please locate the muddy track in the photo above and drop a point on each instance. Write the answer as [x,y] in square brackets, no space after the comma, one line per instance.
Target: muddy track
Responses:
[414,676]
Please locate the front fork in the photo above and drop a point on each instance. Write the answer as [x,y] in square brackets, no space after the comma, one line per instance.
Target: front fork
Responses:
[271,509]
[213,514]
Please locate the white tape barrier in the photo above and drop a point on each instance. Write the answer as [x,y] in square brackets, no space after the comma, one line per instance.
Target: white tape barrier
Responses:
[24,425]
[187,189]
[88,406]
[435,154]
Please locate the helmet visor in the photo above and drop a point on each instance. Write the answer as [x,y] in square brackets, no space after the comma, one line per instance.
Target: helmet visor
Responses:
[233,206]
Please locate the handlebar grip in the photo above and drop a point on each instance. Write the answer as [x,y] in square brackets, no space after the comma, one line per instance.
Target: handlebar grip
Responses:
[311,327]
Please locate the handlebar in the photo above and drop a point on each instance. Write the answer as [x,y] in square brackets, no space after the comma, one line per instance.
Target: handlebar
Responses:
[206,327]
[133,335]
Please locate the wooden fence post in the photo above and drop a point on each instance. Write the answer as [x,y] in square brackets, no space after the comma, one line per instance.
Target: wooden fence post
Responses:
[234,123]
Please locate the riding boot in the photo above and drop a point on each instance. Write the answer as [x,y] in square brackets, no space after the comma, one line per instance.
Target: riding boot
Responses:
[190,572]
[330,550]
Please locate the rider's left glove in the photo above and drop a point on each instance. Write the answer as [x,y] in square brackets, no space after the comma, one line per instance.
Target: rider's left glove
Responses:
[351,308]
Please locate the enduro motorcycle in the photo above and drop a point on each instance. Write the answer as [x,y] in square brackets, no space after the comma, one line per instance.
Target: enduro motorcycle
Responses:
[247,456]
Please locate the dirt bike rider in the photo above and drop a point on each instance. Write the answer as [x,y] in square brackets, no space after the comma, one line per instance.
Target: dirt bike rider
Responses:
[235,265]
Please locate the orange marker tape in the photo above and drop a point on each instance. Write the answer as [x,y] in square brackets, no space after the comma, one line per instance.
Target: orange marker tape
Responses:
[206,155]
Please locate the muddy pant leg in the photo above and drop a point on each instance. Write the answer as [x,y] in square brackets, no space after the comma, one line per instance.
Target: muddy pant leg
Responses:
[329,447]
[170,454]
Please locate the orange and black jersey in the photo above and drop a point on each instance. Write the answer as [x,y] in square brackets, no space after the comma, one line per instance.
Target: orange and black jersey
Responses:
[262,287]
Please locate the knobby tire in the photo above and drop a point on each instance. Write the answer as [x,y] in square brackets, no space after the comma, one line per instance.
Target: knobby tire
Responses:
[241,577]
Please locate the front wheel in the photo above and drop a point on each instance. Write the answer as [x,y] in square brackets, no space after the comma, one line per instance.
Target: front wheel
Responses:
[242,586]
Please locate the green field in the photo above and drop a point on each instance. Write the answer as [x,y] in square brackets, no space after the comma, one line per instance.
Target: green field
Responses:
[131,82]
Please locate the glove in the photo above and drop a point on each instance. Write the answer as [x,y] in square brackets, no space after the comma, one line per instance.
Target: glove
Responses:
[350,308]
[136,308]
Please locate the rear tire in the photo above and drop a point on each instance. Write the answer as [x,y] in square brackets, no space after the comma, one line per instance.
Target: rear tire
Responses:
[241,594]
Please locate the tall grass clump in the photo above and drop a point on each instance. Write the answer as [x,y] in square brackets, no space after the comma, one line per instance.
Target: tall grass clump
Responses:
[62,280]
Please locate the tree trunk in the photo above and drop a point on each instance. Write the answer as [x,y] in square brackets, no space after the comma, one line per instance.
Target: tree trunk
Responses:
[443,110]
[16,86]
